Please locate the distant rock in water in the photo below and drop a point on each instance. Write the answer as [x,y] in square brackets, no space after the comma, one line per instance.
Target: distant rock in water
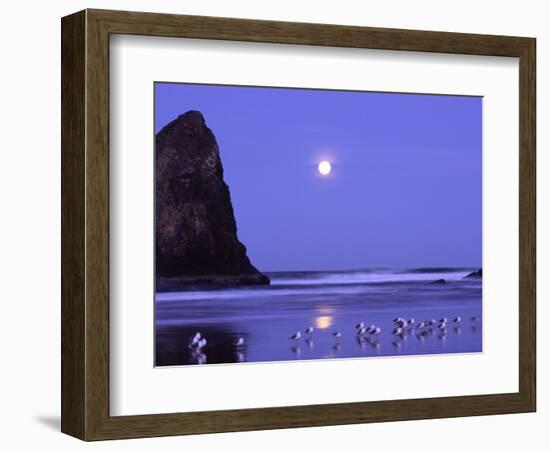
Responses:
[439,281]
[196,232]
[477,274]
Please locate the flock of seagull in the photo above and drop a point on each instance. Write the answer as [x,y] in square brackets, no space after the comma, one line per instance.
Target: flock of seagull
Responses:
[401,327]
[197,342]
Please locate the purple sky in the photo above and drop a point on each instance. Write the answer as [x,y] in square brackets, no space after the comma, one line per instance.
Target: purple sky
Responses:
[405,190]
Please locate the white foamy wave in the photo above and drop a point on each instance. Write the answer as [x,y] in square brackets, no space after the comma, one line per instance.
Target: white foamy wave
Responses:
[318,284]
[367,277]
[259,293]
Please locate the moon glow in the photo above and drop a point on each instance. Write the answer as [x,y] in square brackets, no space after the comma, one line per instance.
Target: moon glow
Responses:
[324,167]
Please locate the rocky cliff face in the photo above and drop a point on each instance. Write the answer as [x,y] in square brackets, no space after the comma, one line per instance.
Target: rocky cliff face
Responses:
[196,232]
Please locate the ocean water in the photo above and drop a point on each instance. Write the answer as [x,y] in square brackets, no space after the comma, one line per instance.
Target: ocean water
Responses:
[266,316]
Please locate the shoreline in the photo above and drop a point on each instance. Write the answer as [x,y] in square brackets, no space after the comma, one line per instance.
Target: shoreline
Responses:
[164,284]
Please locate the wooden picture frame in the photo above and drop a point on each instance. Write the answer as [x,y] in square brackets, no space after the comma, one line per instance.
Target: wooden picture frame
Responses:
[85,224]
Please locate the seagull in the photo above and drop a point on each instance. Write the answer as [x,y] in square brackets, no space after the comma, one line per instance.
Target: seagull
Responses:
[337,334]
[443,320]
[238,342]
[398,331]
[376,331]
[360,325]
[410,321]
[361,331]
[401,323]
[195,340]
[442,325]
[201,343]
[421,325]
[457,319]
[309,330]
[430,322]
[296,336]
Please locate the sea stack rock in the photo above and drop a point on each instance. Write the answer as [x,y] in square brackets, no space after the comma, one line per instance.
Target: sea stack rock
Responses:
[476,274]
[196,232]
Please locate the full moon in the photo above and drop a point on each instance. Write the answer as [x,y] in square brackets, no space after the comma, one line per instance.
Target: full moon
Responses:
[324,167]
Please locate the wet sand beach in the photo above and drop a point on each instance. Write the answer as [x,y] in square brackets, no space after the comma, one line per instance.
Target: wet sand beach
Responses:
[331,302]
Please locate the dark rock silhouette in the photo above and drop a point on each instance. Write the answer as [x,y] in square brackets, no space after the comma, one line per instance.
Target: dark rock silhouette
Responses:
[196,232]
[476,274]
[439,281]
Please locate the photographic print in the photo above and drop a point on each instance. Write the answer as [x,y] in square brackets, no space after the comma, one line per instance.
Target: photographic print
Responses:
[299,224]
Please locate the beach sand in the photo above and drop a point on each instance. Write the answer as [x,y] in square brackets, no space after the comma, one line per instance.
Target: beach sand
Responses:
[265,317]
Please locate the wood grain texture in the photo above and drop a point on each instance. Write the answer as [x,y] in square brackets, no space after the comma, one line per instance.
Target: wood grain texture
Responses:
[97,225]
[527,224]
[152,24]
[73,227]
[85,224]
